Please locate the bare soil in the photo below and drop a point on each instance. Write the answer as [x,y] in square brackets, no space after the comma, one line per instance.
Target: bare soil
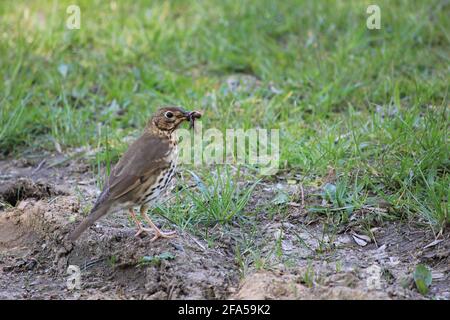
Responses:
[40,202]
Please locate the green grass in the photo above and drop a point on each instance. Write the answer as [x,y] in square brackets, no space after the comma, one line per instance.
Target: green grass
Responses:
[219,197]
[371,104]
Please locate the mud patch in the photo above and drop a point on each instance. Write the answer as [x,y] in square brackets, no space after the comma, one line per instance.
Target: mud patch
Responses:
[300,257]
[123,266]
[114,264]
[43,203]
[12,192]
[288,255]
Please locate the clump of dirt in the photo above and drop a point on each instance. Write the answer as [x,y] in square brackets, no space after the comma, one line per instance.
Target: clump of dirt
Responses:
[277,285]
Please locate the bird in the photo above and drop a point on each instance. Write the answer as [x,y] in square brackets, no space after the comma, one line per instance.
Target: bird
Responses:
[143,173]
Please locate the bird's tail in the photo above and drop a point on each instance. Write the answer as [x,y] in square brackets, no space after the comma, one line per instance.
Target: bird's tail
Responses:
[88,221]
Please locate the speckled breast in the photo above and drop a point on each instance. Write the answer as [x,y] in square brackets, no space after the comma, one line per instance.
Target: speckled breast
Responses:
[156,191]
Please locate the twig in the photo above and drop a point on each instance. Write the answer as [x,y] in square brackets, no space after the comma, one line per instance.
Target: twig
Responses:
[39,166]
[196,241]
[374,209]
[303,196]
[91,263]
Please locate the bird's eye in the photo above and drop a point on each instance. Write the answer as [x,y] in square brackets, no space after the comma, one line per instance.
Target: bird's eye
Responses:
[169,115]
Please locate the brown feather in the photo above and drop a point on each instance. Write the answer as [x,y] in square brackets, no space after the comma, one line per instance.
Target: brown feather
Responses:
[87,222]
[144,156]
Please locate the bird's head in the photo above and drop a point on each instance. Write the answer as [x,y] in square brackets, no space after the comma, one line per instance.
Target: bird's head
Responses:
[167,119]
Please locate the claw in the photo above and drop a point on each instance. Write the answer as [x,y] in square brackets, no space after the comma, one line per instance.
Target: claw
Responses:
[140,230]
[158,233]
[166,235]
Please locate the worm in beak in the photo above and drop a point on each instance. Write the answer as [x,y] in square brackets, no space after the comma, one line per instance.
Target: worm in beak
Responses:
[191,116]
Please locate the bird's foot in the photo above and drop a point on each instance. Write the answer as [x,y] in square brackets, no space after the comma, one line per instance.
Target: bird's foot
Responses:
[166,235]
[141,230]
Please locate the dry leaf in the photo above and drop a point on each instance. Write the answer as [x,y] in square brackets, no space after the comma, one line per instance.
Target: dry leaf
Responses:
[278,234]
[363,237]
[437,275]
[294,204]
[57,146]
[435,242]
[360,239]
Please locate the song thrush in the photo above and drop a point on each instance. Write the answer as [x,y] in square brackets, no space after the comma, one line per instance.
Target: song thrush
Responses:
[143,173]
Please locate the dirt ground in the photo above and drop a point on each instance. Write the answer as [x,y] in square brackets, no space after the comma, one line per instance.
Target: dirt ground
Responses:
[40,202]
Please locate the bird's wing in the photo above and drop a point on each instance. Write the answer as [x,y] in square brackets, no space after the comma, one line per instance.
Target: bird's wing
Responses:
[144,157]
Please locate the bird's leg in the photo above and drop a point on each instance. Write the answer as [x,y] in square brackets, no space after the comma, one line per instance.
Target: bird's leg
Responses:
[159,233]
[138,224]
